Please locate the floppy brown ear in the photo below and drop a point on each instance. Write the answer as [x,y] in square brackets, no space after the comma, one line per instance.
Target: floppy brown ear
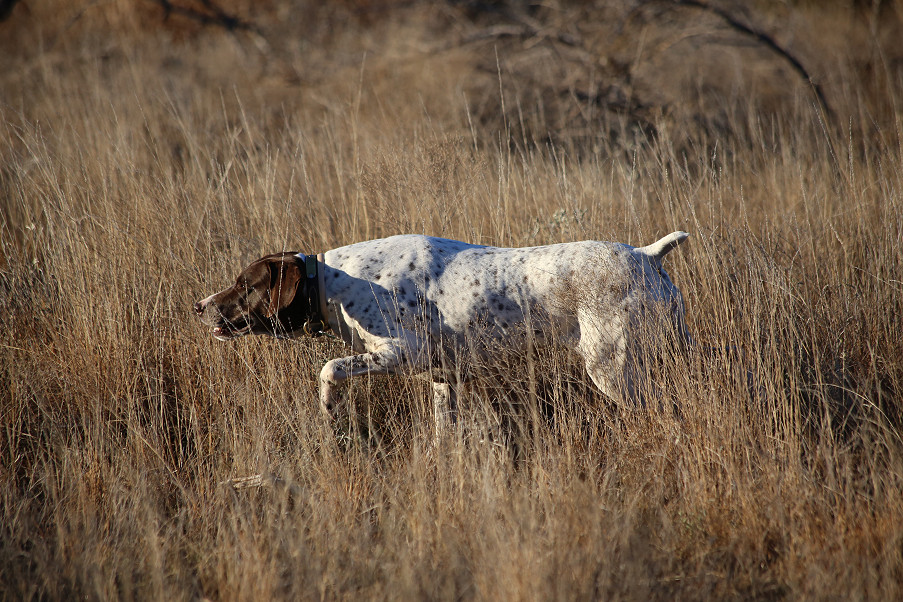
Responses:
[285,276]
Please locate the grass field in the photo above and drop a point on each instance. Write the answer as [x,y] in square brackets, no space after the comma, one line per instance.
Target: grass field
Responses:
[146,157]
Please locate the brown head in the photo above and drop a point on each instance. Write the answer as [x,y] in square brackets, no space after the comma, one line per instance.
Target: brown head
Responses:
[268,297]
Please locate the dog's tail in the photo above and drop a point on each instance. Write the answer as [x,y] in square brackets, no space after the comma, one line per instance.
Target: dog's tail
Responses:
[660,248]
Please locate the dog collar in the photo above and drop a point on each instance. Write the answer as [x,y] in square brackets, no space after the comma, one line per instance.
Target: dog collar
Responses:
[315,291]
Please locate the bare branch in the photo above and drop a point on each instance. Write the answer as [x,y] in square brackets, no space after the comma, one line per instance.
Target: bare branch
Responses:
[213,16]
[763,38]
[6,8]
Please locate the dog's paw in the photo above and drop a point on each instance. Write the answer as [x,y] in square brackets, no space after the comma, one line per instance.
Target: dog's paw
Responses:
[329,400]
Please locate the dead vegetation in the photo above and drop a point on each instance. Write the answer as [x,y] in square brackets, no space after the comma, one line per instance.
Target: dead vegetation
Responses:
[147,154]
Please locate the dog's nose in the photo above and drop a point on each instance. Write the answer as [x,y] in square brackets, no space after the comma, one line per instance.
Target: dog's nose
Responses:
[198,308]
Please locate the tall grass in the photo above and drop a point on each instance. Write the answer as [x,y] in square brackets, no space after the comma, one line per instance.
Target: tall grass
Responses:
[130,190]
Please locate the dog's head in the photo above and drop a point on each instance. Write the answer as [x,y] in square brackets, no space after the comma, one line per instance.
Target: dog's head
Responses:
[265,299]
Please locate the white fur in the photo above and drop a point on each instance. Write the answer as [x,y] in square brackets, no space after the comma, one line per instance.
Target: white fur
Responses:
[412,304]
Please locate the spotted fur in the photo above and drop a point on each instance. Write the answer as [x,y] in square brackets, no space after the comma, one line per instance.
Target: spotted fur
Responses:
[417,304]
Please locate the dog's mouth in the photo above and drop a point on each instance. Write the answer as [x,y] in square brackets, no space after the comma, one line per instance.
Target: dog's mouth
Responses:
[227,332]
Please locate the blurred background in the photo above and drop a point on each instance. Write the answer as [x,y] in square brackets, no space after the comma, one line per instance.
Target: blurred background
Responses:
[595,76]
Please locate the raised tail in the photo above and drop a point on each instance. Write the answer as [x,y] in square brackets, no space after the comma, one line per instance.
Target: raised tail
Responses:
[661,247]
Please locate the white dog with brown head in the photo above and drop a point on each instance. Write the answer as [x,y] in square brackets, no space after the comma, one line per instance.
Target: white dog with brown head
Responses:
[417,304]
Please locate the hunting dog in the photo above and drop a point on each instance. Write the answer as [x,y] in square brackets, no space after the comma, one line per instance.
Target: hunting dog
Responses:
[414,304]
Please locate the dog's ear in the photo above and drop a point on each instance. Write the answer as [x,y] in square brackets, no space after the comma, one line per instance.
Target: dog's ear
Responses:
[285,276]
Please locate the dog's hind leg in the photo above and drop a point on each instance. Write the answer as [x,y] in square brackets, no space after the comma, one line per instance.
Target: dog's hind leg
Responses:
[603,347]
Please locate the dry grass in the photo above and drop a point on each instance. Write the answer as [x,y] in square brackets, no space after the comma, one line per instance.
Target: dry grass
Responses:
[144,161]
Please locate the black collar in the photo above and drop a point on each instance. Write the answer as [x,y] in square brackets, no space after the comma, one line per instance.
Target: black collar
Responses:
[315,323]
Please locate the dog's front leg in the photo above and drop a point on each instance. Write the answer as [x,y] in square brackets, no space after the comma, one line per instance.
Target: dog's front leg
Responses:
[445,406]
[329,398]
[336,372]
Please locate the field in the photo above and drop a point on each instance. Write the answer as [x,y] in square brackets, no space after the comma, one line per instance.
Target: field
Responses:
[148,150]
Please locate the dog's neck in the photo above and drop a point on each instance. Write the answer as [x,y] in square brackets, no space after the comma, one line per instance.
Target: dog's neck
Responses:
[311,298]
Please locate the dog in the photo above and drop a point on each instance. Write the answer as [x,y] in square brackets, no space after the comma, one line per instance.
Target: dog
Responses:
[412,304]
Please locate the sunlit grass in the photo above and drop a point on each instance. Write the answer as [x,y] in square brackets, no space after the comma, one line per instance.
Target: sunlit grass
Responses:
[772,468]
